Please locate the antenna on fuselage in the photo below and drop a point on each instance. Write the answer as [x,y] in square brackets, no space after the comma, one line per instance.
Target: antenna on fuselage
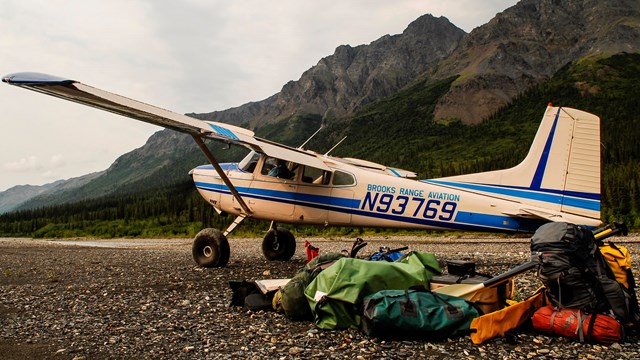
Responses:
[322,122]
[311,137]
[334,146]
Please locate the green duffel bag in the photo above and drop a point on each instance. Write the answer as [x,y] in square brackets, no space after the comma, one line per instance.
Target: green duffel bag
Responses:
[417,314]
[335,295]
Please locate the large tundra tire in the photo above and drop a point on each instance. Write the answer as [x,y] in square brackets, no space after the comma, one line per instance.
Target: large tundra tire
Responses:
[210,248]
[280,246]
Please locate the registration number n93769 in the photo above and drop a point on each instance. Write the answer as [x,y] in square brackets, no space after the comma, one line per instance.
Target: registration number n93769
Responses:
[403,205]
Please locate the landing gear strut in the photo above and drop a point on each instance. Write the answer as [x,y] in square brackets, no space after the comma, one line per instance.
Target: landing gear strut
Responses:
[278,244]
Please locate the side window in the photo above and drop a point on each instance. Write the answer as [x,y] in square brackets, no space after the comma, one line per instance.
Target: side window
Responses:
[268,165]
[248,164]
[313,175]
[342,178]
[279,168]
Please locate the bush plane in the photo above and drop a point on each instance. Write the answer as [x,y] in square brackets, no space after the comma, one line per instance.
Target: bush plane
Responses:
[558,180]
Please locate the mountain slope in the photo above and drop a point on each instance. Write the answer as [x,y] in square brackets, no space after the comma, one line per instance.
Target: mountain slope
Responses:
[526,44]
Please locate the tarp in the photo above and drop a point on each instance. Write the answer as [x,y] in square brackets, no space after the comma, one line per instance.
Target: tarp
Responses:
[335,295]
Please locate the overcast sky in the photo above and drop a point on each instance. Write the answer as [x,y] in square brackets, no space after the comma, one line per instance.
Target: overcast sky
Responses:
[185,56]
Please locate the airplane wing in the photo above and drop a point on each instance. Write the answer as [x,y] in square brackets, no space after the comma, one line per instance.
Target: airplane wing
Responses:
[78,92]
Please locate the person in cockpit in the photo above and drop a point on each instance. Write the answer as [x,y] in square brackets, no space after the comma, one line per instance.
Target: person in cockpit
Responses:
[281,170]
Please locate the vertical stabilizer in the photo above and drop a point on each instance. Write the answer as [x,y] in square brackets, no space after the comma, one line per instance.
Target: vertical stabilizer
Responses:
[560,174]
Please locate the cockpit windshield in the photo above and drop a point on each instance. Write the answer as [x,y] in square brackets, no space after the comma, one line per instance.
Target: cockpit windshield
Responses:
[249,162]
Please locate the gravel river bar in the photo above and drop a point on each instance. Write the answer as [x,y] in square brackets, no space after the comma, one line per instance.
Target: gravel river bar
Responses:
[145,298]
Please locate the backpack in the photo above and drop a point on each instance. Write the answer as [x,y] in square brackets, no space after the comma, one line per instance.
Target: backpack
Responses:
[577,275]
[616,261]
[619,261]
[292,297]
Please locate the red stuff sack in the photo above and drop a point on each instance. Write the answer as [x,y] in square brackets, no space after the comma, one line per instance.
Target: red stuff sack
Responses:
[312,251]
[575,324]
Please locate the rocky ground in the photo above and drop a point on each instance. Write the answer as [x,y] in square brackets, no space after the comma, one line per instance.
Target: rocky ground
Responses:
[146,299]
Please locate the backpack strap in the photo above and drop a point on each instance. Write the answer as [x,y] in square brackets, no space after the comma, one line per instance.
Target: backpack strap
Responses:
[590,326]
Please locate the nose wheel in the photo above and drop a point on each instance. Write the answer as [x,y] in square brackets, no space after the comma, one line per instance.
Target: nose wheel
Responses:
[278,244]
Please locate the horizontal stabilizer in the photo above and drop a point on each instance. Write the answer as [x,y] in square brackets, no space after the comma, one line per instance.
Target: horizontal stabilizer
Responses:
[529,213]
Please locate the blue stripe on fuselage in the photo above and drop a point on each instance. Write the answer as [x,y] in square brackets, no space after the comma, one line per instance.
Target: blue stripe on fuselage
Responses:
[589,201]
[463,221]
[283,196]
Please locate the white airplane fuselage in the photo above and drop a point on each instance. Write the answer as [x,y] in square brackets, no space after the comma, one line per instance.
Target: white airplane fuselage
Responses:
[374,200]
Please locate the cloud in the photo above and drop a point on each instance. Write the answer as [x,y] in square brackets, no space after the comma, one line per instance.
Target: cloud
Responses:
[26,164]
[57,161]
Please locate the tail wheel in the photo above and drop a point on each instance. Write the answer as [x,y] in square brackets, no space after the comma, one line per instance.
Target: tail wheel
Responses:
[278,244]
[210,248]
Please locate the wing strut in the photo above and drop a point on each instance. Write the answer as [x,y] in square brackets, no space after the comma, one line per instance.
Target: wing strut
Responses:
[220,172]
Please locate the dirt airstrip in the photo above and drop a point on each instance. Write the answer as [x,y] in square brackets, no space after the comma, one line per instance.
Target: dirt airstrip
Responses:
[94,299]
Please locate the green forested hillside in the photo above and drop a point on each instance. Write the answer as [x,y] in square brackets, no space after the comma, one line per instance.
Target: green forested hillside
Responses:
[397,131]
[400,130]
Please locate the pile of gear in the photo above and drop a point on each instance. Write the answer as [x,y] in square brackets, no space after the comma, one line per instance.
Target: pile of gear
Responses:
[588,291]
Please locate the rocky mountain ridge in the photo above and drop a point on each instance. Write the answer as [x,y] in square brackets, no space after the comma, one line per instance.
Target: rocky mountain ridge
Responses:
[526,44]
[519,48]
[353,76]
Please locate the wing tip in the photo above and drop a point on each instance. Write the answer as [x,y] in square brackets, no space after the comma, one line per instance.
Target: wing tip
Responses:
[34,78]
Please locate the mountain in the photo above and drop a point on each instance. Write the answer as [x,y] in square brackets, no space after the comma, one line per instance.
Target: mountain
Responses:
[451,78]
[526,44]
[17,196]
[353,76]
[519,48]
[12,197]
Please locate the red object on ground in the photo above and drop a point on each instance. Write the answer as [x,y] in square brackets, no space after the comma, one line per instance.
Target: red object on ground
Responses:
[311,250]
[573,323]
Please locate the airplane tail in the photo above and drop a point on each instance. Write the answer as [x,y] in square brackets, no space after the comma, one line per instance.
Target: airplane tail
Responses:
[559,179]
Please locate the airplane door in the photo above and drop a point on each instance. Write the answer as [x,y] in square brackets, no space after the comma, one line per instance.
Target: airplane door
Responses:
[314,194]
[273,197]
[341,196]
[340,216]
